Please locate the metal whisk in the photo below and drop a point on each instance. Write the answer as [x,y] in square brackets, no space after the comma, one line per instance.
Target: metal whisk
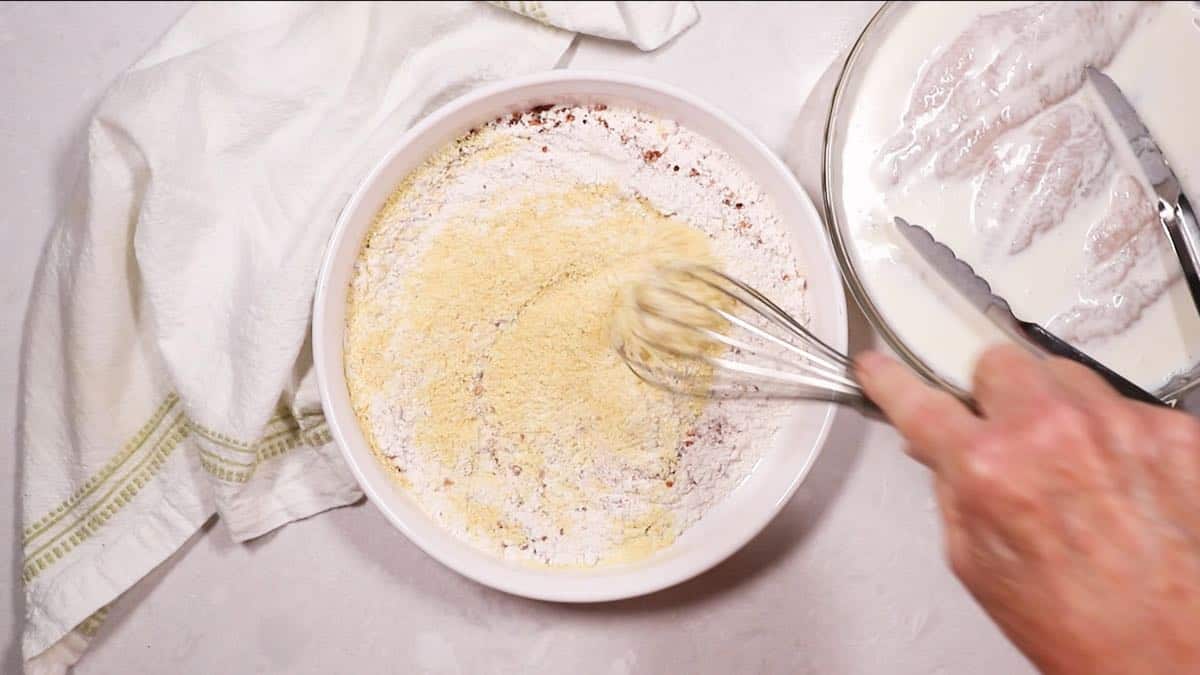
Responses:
[694,330]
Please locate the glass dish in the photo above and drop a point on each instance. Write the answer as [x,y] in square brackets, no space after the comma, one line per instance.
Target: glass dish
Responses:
[849,80]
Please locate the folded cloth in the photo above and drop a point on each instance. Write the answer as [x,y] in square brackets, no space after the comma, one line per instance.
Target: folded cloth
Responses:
[168,375]
[649,25]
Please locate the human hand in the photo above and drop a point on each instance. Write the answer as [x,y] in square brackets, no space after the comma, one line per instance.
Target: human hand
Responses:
[1071,514]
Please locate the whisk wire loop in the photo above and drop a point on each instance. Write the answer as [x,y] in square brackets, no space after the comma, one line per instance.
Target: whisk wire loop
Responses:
[736,343]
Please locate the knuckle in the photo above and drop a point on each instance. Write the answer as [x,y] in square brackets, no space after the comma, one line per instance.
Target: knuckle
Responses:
[1056,424]
[923,411]
[1142,448]
[1174,446]
[1181,430]
[1123,425]
[992,477]
[992,363]
[1116,414]
[981,475]
[1076,371]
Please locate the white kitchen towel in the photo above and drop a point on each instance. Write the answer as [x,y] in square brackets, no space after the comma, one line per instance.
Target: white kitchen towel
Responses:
[649,25]
[167,371]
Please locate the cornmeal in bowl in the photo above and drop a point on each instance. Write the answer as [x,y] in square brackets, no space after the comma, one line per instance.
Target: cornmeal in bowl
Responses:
[478,349]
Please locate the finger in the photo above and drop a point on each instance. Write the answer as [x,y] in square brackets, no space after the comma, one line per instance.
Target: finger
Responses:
[1127,417]
[947,502]
[978,554]
[952,523]
[1084,384]
[936,424]
[1009,382]
[954,532]
[1120,422]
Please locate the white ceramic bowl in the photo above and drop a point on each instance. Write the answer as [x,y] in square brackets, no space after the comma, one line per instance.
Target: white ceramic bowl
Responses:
[725,528]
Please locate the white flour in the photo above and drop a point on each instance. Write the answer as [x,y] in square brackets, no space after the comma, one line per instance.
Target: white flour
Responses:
[474,368]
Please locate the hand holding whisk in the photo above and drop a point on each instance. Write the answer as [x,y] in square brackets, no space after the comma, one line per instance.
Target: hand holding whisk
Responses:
[694,330]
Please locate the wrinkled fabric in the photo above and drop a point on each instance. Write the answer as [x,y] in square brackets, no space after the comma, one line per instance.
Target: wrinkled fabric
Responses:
[168,370]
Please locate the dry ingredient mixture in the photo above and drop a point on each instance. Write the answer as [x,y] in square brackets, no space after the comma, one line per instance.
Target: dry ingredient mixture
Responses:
[479,351]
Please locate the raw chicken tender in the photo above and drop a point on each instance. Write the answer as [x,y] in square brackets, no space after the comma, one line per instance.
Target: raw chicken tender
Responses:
[1028,189]
[1006,68]
[1131,264]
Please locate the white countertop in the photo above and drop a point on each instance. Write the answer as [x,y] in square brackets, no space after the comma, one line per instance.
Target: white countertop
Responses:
[849,578]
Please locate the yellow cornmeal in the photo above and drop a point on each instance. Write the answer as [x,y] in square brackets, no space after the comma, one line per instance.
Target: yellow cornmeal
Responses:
[485,305]
[520,398]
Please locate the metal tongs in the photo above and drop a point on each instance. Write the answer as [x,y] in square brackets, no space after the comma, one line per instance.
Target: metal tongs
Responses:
[1174,210]
[1178,220]
[976,290]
